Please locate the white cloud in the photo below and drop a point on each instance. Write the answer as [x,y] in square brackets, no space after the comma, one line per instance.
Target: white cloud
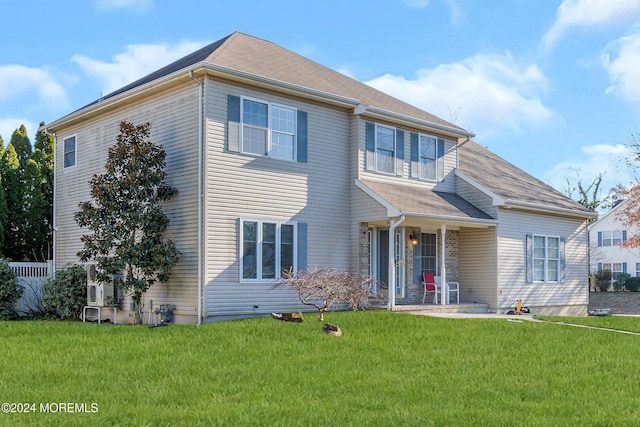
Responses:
[18,80]
[606,159]
[135,62]
[589,13]
[622,61]
[488,93]
[8,125]
[136,6]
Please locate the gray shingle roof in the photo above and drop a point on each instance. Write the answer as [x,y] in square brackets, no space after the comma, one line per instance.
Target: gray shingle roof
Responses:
[262,58]
[510,182]
[426,202]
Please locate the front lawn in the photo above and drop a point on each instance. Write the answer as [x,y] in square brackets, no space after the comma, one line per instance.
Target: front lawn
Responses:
[386,369]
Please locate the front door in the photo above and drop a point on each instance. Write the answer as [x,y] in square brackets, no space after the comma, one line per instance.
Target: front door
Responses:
[382,273]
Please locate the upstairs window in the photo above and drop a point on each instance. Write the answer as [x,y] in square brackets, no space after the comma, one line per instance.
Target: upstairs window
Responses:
[267,129]
[69,154]
[384,149]
[612,237]
[427,157]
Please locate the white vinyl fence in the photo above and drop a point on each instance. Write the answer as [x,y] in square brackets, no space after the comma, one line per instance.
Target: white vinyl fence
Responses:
[31,276]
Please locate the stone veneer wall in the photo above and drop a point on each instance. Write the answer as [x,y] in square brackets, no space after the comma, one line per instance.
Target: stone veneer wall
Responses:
[414,291]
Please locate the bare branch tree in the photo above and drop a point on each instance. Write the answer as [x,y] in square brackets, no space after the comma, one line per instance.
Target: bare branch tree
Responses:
[325,288]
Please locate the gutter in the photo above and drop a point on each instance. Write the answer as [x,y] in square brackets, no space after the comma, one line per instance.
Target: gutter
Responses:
[508,204]
[200,193]
[381,113]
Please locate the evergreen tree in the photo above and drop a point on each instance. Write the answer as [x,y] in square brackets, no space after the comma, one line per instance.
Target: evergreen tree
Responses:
[43,156]
[11,182]
[22,145]
[34,227]
[125,216]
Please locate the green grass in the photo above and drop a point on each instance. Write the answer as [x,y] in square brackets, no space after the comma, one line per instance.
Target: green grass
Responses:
[387,369]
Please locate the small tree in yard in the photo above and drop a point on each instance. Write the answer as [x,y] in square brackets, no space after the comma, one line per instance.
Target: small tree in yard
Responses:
[125,216]
[325,288]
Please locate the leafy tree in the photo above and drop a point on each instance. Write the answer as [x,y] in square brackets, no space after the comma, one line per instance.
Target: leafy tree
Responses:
[66,293]
[10,291]
[324,288]
[125,216]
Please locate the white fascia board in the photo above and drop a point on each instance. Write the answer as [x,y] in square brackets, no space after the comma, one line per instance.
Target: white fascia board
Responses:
[392,211]
[282,86]
[548,209]
[496,200]
[376,112]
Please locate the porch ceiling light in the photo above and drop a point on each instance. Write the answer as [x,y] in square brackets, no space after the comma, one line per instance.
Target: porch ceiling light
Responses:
[413,239]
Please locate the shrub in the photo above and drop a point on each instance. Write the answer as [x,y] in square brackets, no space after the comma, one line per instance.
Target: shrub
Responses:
[632,284]
[10,291]
[603,280]
[66,293]
[621,281]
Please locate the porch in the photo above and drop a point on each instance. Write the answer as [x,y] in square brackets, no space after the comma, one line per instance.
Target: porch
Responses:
[423,231]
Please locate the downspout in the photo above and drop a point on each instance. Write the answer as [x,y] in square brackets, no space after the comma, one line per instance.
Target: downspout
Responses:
[54,226]
[200,193]
[392,261]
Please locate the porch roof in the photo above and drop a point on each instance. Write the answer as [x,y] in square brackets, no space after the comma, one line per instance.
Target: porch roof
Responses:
[414,201]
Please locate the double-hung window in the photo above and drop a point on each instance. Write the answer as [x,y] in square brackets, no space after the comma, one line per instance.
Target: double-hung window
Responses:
[425,256]
[611,237]
[545,259]
[427,157]
[385,149]
[268,249]
[268,129]
[69,155]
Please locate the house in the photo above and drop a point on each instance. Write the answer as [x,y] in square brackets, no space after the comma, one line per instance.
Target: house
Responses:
[605,236]
[283,163]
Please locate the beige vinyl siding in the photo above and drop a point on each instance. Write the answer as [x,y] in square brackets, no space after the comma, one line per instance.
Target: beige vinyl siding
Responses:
[514,226]
[475,197]
[246,186]
[450,161]
[174,124]
[477,268]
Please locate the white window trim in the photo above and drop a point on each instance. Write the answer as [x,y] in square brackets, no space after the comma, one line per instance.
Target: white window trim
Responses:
[75,151]
[279,224]
[546,258]
[269,128]
[395,150]
[435,159]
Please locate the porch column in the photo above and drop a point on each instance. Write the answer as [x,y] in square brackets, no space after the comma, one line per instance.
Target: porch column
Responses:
[392,261]
[443,269]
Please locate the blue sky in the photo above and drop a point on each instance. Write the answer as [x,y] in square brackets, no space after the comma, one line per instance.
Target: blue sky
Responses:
[552,86]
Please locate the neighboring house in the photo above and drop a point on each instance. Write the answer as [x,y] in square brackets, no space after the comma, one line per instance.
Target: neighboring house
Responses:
[283,163]
[606,234]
